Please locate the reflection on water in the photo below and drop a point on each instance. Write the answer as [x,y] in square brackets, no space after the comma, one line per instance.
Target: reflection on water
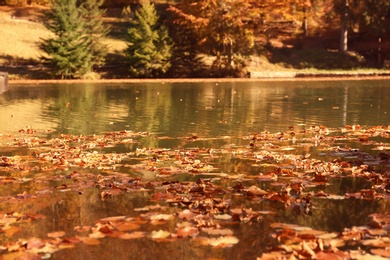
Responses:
[225,110]
[207,109]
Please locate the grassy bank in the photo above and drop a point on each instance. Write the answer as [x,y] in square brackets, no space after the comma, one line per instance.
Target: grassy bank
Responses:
[22,30]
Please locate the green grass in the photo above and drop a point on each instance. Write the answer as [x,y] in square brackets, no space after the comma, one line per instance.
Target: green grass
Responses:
[316,58]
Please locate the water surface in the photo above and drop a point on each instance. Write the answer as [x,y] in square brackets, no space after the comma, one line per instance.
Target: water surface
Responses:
[180,116]
[207,109]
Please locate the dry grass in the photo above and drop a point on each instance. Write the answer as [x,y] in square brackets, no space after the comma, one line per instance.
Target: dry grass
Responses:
[20,35]
[22,30]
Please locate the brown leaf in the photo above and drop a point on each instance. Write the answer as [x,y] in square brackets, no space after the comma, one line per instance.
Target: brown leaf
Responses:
[90,241]
[186,232]
[147,208]
[11,230]
[111,219]
[307,251]
[223,216]
[35,243]
[274,255]
[56,234]
[36,216]
[48,248]
[126,226]
[161,217]
[224,241]
[320,178]
[383,242]
[97,235]
[82,229]
[187,214]
[161,234]
[61,187]
[106,229]
[218,231]
[321,193]
[255,191]
[329,255]
[133,235]
[22,256]
[381,252]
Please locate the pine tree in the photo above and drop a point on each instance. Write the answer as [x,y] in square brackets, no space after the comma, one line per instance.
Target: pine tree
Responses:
[96,30]
[78,29]
[149,49]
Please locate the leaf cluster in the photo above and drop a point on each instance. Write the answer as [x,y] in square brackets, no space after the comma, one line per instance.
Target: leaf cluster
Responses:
[208,207]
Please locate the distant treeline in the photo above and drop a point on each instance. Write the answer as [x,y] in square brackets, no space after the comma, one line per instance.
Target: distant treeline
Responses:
[229,30]
[107,3]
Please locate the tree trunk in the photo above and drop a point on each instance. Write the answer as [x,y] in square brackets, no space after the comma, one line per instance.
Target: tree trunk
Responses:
[304,23]
[344,28]
[230,52]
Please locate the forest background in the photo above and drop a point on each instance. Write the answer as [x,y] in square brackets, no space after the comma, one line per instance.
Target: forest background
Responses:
[210,38]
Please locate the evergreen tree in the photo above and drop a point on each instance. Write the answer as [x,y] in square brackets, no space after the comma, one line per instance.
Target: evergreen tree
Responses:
[69,51]
[96,30]
[78,31]
[149,49]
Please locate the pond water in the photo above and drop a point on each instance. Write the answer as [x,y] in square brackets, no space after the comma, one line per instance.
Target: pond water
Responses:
[186,118]
[208,109]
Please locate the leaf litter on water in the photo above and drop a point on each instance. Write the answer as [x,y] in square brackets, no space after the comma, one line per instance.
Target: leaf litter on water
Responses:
[205,205]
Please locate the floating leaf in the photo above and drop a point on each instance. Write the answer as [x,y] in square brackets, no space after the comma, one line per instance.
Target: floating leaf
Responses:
[126,226]
[133,235]
[82,229]
[187,214]
[47,248]
[329,255]
[97,235]
[287,149]
[186,232]
[383,242]
[161,234]
[223,217]
[160,217]
[218,231]
[35,243]
[147,208]
[56,234]
[224,241]
[110,219]
[381,252]
[21,256]
[92,241]
[12,230]
[255,191]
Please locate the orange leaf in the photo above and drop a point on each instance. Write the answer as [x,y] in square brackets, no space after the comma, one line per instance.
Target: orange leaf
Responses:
[133,235]
[56,234]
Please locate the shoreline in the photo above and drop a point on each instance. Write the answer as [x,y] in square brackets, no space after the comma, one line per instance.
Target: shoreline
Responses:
[255,75]
[296,77]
